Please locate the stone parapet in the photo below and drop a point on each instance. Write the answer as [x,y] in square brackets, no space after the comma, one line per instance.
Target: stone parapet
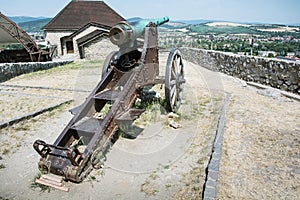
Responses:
[282,74]
[10,70]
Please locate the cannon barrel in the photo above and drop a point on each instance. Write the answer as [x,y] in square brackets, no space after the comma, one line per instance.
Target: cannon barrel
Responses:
[127,32]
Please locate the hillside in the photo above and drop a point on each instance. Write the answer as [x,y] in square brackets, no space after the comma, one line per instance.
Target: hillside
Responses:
[270,40]
[34,26]
[21,19]
[216,30]
[216,27]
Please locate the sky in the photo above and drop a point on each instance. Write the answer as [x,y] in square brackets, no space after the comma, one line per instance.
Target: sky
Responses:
[266,11]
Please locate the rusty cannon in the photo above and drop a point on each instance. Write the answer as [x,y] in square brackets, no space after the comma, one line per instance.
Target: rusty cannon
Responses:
[85,140]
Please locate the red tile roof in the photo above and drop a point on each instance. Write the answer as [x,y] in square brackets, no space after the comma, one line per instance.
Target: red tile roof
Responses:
[78,13]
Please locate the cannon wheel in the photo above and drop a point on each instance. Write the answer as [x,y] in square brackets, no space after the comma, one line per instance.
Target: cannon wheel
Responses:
[174,80]
[108,62]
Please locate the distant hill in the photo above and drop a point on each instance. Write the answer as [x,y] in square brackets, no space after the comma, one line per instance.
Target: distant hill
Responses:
[34,26]
[21,19]
[205,21]
[134,19]
[169,25]
[174,25]
[217,28]
[198,21]
[30,24]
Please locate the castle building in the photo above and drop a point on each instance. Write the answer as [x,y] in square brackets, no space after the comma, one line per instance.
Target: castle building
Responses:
[81,28]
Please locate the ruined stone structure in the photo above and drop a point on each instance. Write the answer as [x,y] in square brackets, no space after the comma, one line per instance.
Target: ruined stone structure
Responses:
[282,74]
[80,25]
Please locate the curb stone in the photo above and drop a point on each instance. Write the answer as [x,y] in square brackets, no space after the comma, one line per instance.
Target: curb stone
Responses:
[31,115]
[210,185]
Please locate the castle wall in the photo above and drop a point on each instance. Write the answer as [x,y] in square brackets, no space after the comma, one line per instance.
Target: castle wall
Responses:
[53,37]
[10,70]
[282,74]
[99,49]
[96,49]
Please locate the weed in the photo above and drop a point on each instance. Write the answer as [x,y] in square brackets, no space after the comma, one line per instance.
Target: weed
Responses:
[153,176]
[143,187]
[167,167]
[33,120]
[195,188]
[19,144]
[192,181]
[100,172]
[155,191]
[104,111]
[148,188]
[2,166]
[24,127]
[152,106]
[5,151]
[92,178]
[200,162]
[51,114]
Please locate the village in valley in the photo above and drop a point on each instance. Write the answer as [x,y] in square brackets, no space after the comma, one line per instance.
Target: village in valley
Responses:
[265,40]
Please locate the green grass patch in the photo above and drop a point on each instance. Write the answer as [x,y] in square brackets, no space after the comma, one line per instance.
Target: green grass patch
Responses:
[67,67]
[205,29]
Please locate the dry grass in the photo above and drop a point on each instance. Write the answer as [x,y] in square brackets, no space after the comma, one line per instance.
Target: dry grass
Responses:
[261,148]
[13,137]
[150,187]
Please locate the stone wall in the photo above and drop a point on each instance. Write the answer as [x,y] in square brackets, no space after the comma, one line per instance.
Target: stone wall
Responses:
[282,74]
[99,49]
[53,37]
[10,70]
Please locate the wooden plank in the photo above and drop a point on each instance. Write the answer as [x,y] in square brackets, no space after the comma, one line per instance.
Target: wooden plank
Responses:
[52,178]
[51,182]
[43,182]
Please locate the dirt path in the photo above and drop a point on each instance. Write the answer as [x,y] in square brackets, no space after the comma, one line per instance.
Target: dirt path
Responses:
[261,142]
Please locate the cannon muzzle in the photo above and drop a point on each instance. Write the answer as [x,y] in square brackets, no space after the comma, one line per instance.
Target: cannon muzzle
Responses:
[127,32]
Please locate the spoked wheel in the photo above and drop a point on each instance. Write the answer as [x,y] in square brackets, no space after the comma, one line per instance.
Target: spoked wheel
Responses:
[108,63]
[174,80]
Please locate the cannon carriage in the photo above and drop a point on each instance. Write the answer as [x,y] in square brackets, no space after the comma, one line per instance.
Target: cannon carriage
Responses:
[83,143]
